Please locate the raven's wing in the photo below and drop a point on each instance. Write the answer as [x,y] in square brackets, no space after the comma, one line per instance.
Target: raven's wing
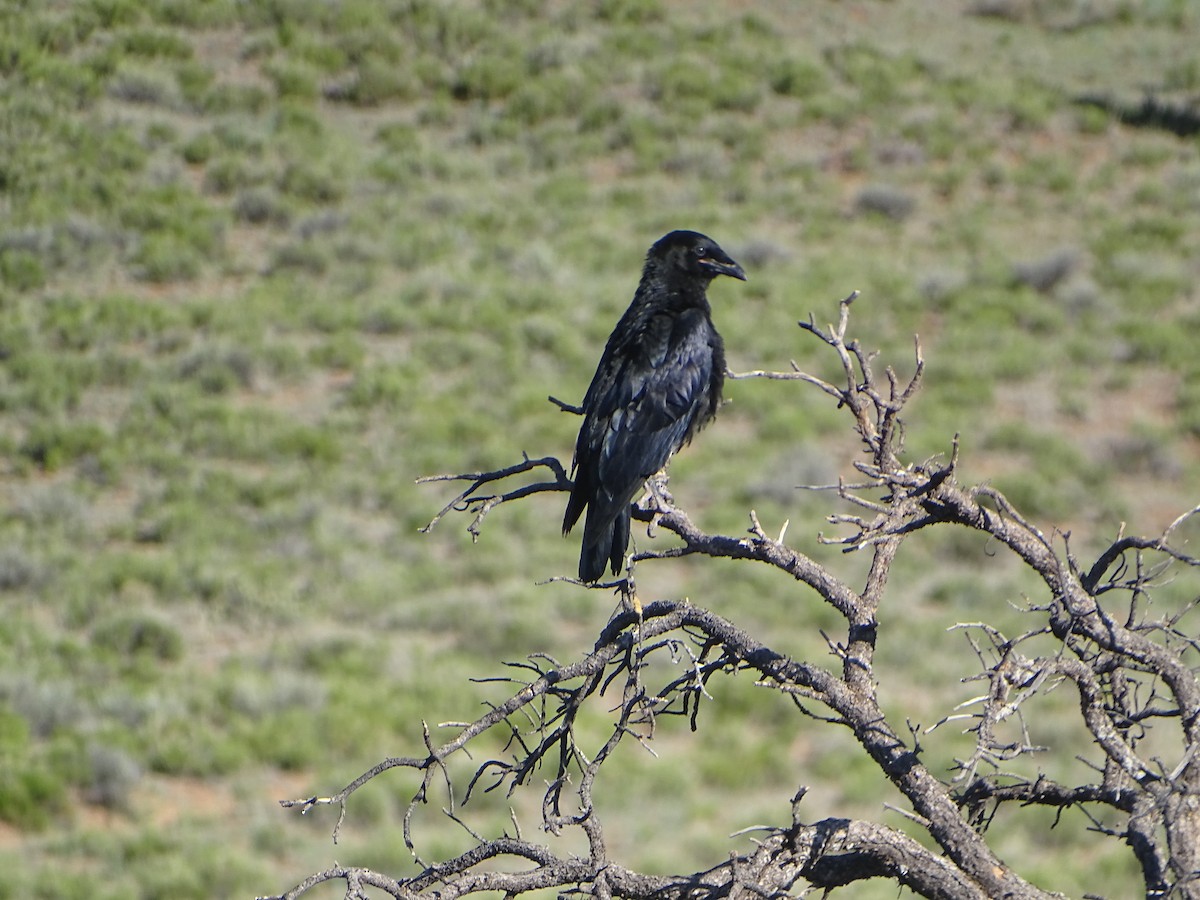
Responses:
[643,405]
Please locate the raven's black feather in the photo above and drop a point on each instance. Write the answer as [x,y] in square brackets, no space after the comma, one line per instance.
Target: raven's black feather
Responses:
[658,382]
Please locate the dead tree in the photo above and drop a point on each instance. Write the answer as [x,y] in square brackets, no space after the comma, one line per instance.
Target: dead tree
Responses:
[1133,673]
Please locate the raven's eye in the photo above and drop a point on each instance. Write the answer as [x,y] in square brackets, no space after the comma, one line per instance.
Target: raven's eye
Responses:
[701,251]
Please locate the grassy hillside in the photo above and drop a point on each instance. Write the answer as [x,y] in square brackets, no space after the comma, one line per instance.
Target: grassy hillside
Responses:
[263,264]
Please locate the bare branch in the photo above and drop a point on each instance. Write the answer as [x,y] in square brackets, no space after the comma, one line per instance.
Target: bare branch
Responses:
[566,407]
[1128,669]
[480,504]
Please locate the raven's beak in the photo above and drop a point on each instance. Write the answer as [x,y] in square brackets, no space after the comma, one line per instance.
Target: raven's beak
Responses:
[724,267]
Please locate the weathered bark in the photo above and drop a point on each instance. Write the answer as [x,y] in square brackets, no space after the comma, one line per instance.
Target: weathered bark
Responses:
[1128,675]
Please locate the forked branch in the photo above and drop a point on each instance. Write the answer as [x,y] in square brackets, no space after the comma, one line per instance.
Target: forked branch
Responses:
[1128,673]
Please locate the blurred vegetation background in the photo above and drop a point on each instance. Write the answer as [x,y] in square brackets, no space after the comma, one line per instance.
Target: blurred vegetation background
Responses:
[262,264]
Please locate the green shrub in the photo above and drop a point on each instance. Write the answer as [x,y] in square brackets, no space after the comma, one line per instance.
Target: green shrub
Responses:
[165,258]
[374,82]
[345,351]
[228,174]
[795,77]
[198,13]
[67,79]
[300,256]
[630,11]
[546,97]
[224,98]
[179,233]
[313,182]
[1187,401]
[879,77]
[22,270]
[31,797]
[490,75]
[51,445]
[150,87]
[190,746]
[155,42]
[292,79]
[378,385]
[308,444]
[132,635]
[194,79]
[260,206]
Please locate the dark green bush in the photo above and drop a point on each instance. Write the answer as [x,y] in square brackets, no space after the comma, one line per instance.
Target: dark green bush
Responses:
[51,445]
[134,635]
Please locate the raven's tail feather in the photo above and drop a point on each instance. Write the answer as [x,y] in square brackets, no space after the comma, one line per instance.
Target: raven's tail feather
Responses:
[603,544]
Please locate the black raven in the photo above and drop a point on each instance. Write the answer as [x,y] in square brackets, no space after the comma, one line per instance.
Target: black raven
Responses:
[658,382]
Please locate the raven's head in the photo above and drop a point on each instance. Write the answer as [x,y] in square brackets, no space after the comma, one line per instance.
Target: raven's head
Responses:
[696,255]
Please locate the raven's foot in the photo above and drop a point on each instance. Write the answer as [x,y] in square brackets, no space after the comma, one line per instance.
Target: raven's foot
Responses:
[656,484]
